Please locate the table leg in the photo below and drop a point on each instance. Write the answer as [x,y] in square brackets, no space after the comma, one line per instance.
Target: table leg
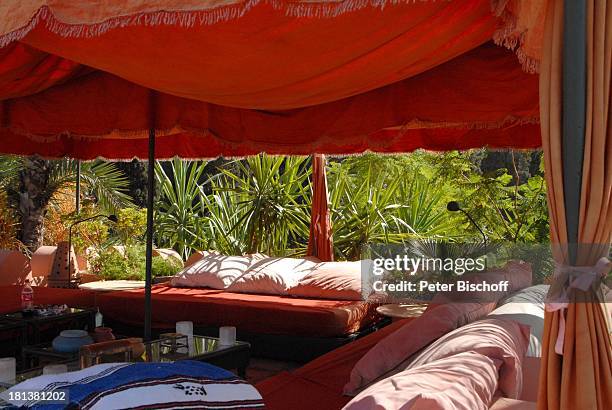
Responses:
[242,372]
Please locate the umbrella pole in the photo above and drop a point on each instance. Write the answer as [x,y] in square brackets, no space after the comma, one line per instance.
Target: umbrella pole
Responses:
[78,188]
[574,115]
[149,244]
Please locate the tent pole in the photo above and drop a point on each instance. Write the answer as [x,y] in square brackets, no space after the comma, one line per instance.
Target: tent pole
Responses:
[574,115]
[77,205]
[149,244]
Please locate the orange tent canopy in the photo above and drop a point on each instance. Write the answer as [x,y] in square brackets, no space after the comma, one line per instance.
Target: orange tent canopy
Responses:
[235,78]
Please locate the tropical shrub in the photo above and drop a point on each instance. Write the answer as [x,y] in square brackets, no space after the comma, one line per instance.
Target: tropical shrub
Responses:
[131,225]
[33,184]
[165,267]
[506,209]
[260,204]
[178,211]
[263,205]
[8,226]
[91,234]
[130,265]
[375,199]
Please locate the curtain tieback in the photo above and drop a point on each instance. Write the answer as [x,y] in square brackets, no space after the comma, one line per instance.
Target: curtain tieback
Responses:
[579,277]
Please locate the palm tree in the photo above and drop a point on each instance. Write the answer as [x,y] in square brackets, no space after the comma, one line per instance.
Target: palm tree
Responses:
[32,183]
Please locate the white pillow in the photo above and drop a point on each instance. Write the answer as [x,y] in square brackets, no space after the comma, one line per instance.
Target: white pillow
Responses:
[527,307]
[273,276]
[213,270]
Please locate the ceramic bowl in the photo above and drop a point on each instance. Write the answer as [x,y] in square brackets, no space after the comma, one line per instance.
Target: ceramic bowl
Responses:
[70,341]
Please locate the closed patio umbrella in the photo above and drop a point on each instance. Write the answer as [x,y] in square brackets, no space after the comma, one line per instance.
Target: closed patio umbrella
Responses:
[320,242]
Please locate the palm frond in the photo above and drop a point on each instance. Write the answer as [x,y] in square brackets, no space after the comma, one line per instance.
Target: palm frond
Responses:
[104,180]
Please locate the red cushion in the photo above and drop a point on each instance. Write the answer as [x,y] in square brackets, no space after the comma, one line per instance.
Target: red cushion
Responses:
[288,391]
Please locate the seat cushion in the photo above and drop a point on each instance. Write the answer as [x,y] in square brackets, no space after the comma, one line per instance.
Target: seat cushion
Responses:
[499,339]
[465,381]
[395,350]
[331,280]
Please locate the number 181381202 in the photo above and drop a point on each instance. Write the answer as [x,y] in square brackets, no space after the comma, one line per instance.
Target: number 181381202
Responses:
[49,397]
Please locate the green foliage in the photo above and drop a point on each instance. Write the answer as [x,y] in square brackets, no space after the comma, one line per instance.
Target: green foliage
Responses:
[34,185]
[262,203]
[104,181]
[111,264]
[506,209]
[376,199]
[165,267]
[93,233]
[131,225]
[261,206]
[178,212]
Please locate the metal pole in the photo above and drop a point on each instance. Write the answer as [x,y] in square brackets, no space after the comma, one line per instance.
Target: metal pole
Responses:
[574,114]
[78,188]
[149,245]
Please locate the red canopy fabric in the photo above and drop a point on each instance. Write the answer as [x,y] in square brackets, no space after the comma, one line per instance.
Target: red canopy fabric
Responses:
[88,113]
[320,241]
[236,78]
[267,59]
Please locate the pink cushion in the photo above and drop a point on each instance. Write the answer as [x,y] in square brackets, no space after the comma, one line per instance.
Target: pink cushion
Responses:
[194,257]
[273,276]
[331,280]
[256,273]
[212,270]
[517,273]
[393,351]
[197,255]
[466,381]
[504,340]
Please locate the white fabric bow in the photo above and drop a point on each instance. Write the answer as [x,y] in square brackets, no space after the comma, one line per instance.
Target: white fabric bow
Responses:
[586,276]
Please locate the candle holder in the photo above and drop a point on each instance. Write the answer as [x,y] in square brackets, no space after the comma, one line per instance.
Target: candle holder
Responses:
[173,343]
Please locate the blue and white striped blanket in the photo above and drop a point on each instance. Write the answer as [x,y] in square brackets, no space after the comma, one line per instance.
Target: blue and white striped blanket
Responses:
[179,385]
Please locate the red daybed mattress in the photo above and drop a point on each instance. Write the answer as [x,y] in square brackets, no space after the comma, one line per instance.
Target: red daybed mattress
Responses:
[265,314]
[318,384]
[10,297]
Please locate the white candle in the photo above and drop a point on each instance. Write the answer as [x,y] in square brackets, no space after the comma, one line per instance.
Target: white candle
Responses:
[55,369]
[227,335]
[8,370]
[185,328]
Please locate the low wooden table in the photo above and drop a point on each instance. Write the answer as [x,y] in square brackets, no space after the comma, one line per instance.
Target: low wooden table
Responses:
[37,325]
[12,337]
[112,285]
[204,349]
[397,311]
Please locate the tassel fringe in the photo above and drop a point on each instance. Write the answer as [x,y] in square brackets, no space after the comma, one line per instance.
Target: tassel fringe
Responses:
[510,37]
[191,18]
[506,36]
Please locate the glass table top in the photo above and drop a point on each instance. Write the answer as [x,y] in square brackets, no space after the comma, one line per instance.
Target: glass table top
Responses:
[163,350]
